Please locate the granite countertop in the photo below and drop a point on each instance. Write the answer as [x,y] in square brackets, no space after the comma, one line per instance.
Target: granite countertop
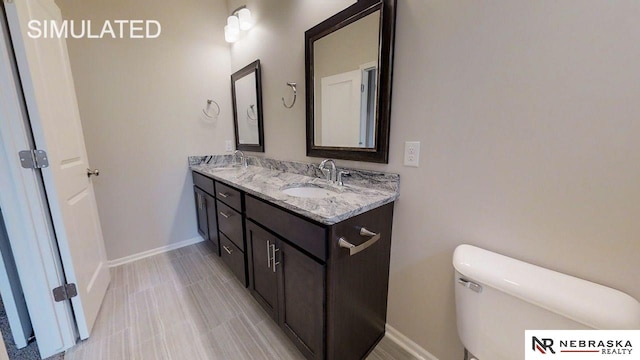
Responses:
[267,184]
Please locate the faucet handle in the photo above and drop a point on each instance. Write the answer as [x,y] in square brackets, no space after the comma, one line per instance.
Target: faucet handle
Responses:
[342,173]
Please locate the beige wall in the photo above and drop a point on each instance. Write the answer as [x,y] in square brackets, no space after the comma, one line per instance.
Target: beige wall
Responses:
[527,112]
[140,103]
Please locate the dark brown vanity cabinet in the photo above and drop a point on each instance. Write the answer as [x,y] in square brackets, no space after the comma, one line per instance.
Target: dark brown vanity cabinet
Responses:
[324,285]
[206,210]
[290,287]
[219,210]
[331,301]
[231,226]
[263,278]
[201,212]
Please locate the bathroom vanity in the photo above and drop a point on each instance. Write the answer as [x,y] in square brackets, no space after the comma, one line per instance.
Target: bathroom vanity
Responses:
[319,266]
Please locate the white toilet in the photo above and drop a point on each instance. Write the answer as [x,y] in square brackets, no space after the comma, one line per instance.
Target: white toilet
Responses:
[498,298]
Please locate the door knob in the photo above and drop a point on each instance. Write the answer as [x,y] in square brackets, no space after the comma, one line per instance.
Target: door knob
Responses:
[95,172]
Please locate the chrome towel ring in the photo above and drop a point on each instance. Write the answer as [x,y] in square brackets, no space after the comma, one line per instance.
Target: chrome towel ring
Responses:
[252,110]
[206,112]
[295,94]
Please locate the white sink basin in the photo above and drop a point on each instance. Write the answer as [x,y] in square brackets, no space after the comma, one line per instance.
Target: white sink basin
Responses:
[309,192]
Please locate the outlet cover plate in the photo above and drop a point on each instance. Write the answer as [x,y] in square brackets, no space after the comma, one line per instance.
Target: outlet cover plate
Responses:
[412,153]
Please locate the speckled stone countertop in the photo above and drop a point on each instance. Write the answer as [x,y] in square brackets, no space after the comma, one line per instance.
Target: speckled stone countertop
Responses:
[266,178]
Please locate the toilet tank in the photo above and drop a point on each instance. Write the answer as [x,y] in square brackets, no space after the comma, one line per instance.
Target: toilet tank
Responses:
[498,298]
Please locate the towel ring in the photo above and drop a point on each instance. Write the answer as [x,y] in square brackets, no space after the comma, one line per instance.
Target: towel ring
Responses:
[251,109]
[295,94]
[209,102]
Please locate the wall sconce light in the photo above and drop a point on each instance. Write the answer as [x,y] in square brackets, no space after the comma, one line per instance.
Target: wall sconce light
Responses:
[240,19]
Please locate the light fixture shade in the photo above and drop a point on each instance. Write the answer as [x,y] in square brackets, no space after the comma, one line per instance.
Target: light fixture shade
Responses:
[244,17]
[233,22]
[231,33]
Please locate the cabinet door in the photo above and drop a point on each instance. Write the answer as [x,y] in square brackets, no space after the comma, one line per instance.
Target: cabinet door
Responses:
[359,285]
[301,299]
[212,221]
[263,280]
[201,212]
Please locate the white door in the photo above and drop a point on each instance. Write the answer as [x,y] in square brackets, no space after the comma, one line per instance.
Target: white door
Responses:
[49,93]
[26,214]
[341,95]
[15,305]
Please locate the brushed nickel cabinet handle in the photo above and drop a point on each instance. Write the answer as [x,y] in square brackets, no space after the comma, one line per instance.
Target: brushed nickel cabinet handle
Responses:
[365,232]
[224,195]
[353,249]
[200,198]
[273,257]
[226,216]
[229,251]
[268,254]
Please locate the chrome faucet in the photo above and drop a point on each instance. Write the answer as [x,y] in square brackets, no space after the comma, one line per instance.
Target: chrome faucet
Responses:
[243,158]
[329,174]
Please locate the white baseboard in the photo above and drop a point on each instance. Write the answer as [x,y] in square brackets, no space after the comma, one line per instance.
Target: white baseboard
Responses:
[156,251]
[407,344]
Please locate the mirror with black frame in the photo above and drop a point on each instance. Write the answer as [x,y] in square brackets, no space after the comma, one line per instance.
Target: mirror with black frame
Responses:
[246,91]
[349,68]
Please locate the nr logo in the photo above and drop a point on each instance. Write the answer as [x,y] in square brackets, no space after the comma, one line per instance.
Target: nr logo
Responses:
[542,345]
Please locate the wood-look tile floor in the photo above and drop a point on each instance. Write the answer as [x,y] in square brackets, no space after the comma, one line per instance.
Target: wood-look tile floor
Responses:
[186,304]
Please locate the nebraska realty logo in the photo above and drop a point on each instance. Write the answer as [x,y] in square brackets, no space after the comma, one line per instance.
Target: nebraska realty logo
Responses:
[581,344]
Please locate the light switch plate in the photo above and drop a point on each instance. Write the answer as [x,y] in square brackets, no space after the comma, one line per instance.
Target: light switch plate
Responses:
[412,153]
[228,146]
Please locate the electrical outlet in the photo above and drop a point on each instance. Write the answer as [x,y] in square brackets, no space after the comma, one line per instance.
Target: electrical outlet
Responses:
[228,146]
[412,153]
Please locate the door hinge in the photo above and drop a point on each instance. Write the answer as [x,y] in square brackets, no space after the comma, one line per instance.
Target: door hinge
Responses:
[34,159]
[64,292]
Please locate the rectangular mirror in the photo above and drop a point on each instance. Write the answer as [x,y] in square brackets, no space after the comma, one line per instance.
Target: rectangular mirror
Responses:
[246,91]
[348,77]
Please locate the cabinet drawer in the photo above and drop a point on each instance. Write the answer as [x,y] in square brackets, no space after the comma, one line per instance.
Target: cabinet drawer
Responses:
[296,230]
[234,258]
[230,223]
[229,196]
[203,183]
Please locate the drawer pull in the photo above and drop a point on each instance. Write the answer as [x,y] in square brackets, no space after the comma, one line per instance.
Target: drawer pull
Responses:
[268,254]
[224,195]
[202,202]
[229,251]
[273,257]
[226,216]
[353,249]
